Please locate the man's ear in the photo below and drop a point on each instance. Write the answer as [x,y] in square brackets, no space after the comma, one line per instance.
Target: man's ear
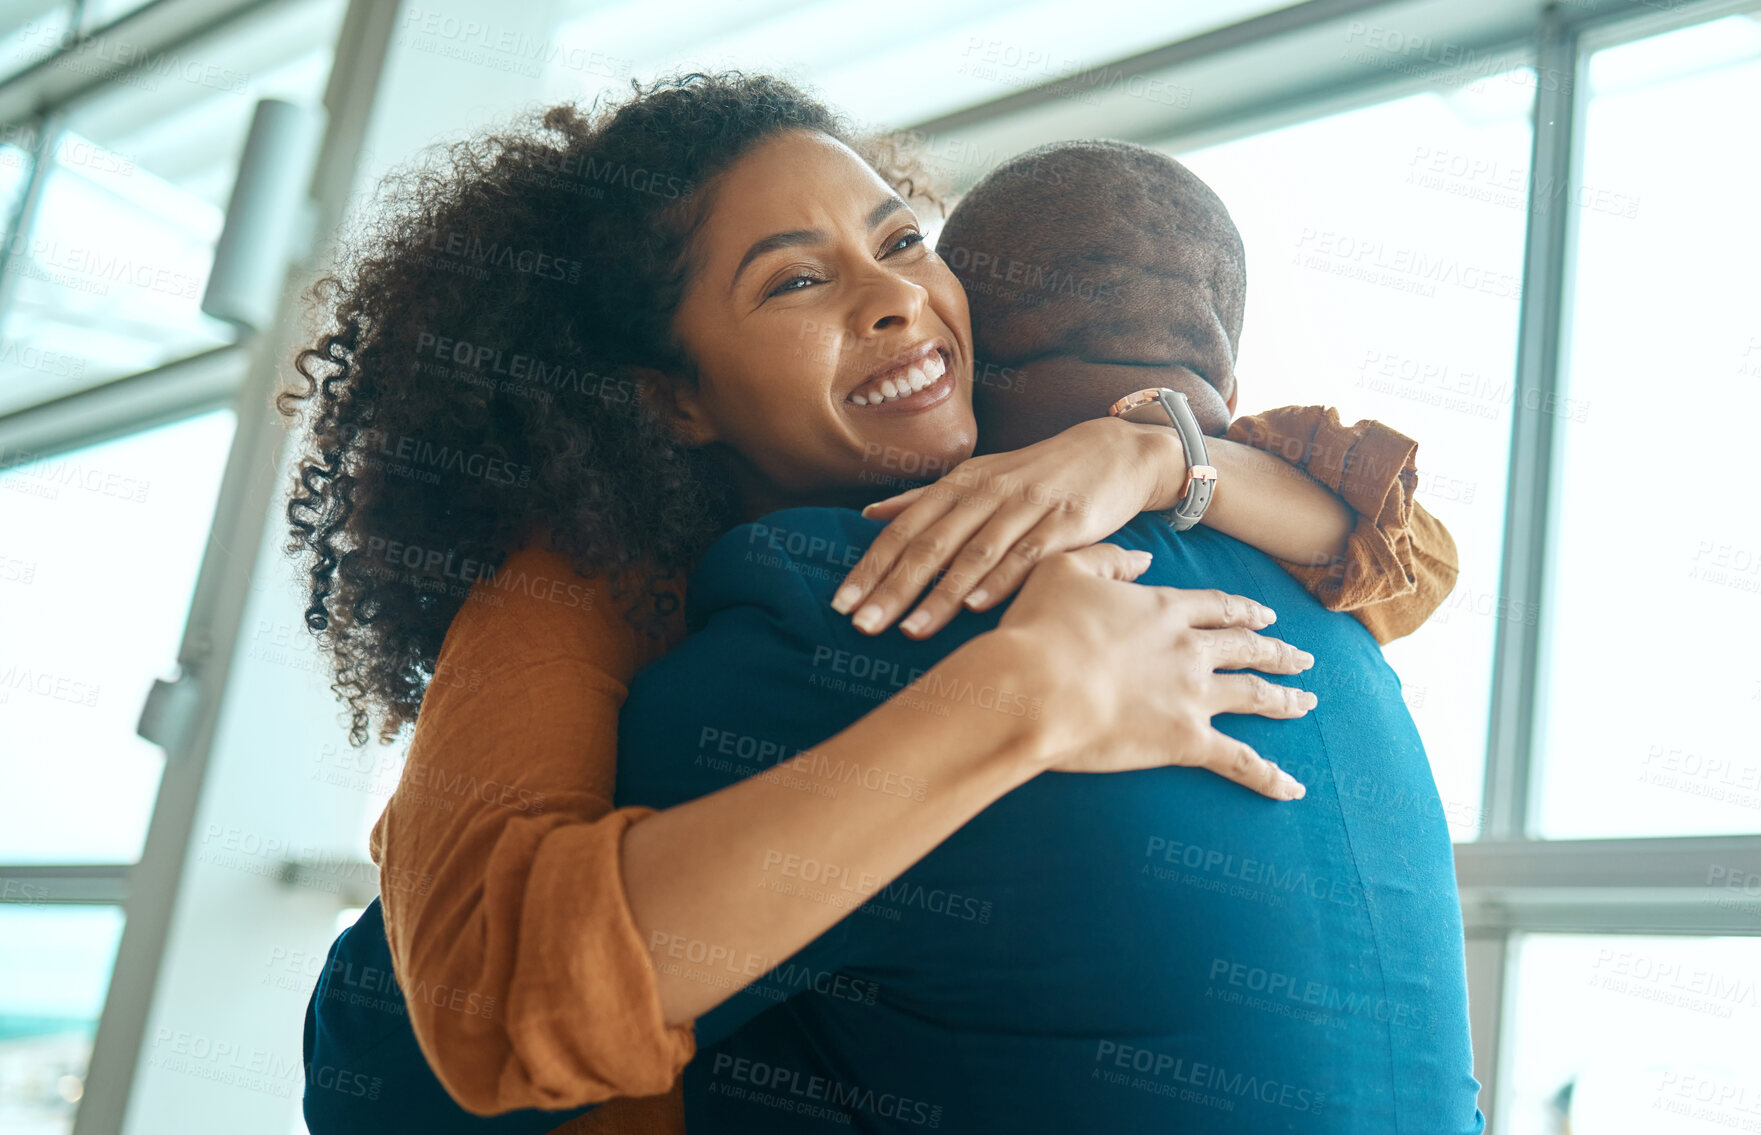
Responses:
[678,405]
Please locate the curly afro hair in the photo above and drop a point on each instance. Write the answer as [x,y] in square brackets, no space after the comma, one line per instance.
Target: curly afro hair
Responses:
[478,380]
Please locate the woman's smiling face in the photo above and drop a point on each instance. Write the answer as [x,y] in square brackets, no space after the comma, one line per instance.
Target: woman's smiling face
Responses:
[833,346]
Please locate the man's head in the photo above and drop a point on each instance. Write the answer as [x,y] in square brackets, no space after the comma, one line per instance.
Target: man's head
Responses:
[1094,268]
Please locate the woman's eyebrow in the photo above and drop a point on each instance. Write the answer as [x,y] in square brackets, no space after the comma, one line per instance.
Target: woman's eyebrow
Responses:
[884,210]
[773,242]
[796,237]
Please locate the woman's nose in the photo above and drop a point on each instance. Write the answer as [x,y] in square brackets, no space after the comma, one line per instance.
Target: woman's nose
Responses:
[886,301]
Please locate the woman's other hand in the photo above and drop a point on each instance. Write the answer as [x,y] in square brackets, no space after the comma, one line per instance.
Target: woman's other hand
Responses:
[1137,669]
[992,518]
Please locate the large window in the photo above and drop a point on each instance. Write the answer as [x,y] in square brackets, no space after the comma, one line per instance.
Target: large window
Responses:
[1384,250]
[100,544]
[1634,1035]
[1536,260]
[46,1023]
[1655,585]
[122,129]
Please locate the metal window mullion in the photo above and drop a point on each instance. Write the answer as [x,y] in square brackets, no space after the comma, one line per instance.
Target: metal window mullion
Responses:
[23,221]
[1257,29]
[217,609]
[150,30]
[1488,970]
[1518,639]
[180,389]
[78,884]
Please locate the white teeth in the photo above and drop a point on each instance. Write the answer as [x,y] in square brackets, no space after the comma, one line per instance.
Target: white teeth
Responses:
[919,377]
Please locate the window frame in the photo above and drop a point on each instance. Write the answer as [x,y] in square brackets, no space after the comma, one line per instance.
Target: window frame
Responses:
[242,375]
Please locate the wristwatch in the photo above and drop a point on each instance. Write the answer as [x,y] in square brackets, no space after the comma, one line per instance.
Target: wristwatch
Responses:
[1166,407]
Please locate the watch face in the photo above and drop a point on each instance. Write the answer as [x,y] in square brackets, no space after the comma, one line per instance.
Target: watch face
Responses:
[1144,406]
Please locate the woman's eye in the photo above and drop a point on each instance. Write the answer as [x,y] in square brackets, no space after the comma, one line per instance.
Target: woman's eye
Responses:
[787,285]
[904,242]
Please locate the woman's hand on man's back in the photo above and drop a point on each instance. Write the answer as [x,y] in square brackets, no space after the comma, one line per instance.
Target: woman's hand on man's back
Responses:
[1136,668]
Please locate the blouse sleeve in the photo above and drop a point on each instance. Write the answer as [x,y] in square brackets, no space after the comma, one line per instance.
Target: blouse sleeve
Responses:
[1400,561]
[527,981]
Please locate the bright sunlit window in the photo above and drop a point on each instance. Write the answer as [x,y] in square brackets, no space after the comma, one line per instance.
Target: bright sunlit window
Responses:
[1384,252]
[1634,1036]
[98,556]
[1657,572]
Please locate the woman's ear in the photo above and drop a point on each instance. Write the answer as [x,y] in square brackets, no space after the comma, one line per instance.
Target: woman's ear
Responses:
[677,404]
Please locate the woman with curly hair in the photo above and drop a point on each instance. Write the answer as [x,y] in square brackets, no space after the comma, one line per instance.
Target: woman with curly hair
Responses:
[556,370]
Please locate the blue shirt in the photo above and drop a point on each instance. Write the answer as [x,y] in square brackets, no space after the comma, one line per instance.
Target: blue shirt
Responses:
[1149,951]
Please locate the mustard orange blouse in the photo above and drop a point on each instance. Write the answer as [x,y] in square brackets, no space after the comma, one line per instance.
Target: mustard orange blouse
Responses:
[499,850]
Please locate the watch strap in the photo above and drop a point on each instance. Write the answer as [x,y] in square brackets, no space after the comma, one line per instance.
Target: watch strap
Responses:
[1201,476]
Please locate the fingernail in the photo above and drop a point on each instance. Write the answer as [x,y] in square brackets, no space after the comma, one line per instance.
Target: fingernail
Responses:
[1309,700]
[869,618]
[866,508]
[1271,616]
[976,600]
[1305,658]
[846,598]
[917,621]
[1291,788]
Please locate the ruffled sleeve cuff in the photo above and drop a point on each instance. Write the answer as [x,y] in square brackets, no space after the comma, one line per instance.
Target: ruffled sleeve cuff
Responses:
[1399,561]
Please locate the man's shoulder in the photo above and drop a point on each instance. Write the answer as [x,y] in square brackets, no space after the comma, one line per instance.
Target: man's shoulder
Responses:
[799,556]
[793,555]
[790,562]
